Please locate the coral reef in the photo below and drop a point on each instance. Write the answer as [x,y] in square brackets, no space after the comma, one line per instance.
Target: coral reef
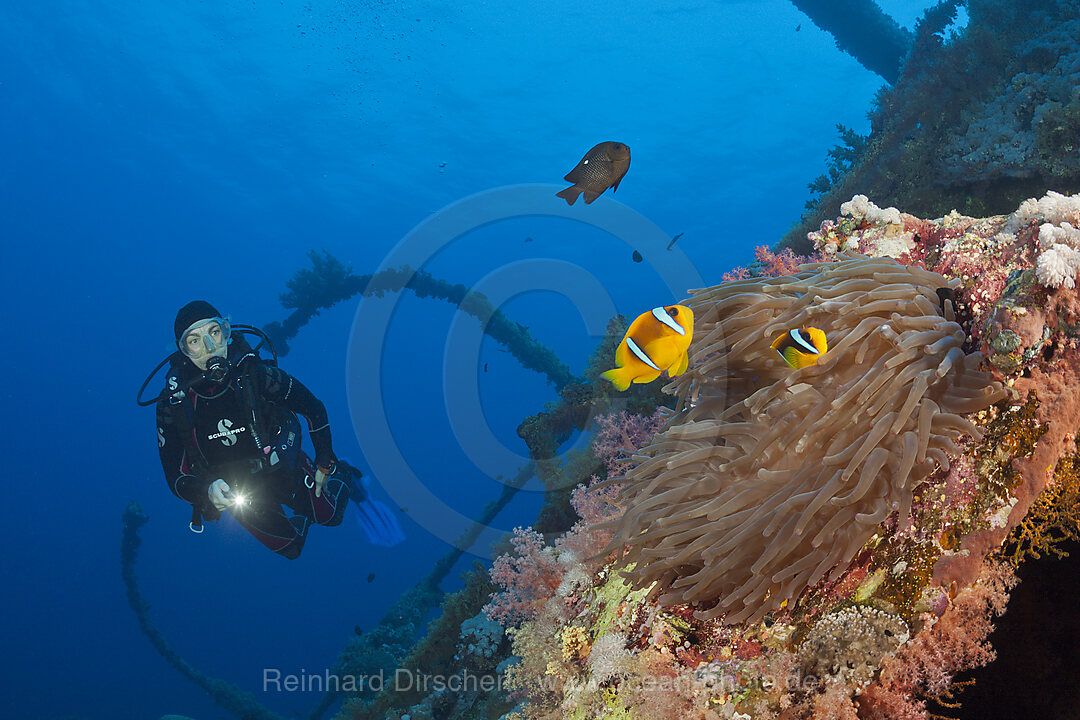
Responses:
[885,633]
[1032,127]
[849,644]
[404,638]
[1053,519]
[459,640]
[980,119]
[528,575]
[768,480]
[930,521]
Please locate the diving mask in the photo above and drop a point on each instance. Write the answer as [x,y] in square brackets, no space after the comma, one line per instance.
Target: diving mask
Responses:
[205,339]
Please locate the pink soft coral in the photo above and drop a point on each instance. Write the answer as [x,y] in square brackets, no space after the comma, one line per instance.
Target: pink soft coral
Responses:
[618,434]
[595,505]
[529,575]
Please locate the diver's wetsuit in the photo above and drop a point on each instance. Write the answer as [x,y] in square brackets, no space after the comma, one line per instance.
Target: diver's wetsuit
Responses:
[245,432]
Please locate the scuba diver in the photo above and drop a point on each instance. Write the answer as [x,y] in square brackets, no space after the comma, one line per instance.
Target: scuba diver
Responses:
[229,440]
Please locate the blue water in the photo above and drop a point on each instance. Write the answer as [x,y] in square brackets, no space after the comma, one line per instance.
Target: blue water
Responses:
[155,152]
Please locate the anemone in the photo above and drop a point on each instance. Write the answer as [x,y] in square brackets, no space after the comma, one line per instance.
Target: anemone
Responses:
[768,480]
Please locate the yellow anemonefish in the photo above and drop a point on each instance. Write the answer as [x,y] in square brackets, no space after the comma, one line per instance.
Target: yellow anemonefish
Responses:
[656,341]
[801,347]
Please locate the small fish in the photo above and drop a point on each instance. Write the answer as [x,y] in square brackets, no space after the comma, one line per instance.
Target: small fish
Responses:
[657,340]
[528,239]
[801,347]
[637,256]
[602,167]
[485,367]
[947,293]
[371,577]
[798,27]
[672,243]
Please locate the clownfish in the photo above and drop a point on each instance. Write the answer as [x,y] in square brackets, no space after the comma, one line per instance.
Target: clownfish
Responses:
[801,347]
[656,341]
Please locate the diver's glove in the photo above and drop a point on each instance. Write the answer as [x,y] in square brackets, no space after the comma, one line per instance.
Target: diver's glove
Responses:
[220,494]
[321,476]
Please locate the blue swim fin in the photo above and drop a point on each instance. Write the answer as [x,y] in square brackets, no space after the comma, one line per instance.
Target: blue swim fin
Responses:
[378,523]
[375,518]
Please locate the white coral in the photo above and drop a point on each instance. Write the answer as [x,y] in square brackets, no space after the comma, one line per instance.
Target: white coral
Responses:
[1059,239]
[608,657]
[1065,234]
[1057,266]
[851,643]
[892,245]
[1053,208]
[860,208]
[575,576]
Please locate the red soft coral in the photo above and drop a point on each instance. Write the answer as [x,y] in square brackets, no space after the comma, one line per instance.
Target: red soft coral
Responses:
[835,703]
[785,262]
[529,575]
[770,264]
[957,641]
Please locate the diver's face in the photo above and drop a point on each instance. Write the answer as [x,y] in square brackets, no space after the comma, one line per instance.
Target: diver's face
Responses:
[203,340]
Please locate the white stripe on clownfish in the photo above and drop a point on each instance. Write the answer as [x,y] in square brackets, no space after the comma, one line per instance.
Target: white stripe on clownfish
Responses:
[640,353]
[662,315]
[806,344]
